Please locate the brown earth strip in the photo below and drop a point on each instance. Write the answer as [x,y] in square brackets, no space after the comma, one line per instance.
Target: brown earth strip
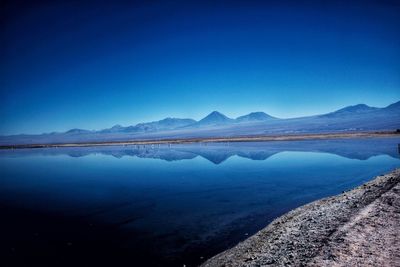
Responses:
[263,138]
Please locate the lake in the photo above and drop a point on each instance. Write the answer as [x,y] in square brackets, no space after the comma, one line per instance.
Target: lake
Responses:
[166,205]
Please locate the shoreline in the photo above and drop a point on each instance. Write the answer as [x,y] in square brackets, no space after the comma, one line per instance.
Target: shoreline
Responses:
[359,227]
[259,138]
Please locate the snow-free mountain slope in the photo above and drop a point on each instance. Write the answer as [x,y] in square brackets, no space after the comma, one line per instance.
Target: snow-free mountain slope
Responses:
[351,110]
[255,117]
[214,118]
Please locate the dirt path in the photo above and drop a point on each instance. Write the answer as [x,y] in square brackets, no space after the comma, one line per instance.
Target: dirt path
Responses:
[360,227]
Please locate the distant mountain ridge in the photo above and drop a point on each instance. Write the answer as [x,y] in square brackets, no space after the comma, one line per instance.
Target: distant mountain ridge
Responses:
[214,118]
[165,124]
[356,109]
[358,117]
[255,116]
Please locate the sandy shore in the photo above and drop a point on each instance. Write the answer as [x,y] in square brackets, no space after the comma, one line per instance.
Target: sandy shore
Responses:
[360,227]
[258,138]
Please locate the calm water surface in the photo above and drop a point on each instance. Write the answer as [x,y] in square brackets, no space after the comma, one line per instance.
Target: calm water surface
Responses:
[166,205]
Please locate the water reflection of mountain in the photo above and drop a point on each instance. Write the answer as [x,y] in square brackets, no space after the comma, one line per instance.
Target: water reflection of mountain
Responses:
[217,153]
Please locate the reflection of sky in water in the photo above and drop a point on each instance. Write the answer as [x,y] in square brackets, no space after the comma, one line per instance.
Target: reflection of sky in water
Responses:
[196,199]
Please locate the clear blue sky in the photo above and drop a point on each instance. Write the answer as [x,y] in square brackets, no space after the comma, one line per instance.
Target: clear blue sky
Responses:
[73,65]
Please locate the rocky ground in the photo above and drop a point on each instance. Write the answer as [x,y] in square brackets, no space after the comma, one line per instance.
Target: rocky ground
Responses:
[360,227]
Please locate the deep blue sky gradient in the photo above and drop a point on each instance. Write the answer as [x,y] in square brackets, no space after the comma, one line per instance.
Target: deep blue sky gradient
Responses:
[73,65]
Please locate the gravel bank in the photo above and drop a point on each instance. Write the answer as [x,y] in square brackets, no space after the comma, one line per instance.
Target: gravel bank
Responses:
[360,227]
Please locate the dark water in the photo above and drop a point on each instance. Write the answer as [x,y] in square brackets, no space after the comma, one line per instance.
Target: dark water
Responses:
[166,206]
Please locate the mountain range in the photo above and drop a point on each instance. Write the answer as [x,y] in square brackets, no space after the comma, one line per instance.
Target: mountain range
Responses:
[359,117]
